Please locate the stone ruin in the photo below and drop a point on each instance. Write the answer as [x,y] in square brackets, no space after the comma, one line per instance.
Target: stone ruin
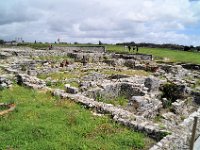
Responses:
[159,99]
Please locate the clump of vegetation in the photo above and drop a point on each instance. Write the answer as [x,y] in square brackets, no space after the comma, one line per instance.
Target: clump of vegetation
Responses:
[171,92]
[126,72]
[158,118]
[74,84]
[3,107]
[58,84]
[1,71]
[48,83]
[2,42]
[168,104]
[61,75]
[45,122]
[161,126]
[197,84]
[23,67]
[164,134]
[6,105]
[182,117]
[116,101]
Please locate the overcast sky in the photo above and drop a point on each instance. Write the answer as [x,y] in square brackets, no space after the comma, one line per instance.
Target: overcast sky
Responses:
[158,21]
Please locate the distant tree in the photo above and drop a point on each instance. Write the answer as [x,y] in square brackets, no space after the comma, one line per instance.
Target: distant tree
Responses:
[100,43]
[186,48]
[1,41]
[35,42]
[55,42]
[192,48]
[132,43]
[165,45]
[75,43]
[58,40]
[198,48]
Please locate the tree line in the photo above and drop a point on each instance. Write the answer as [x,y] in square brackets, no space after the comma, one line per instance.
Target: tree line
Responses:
[169,46]
[150,45]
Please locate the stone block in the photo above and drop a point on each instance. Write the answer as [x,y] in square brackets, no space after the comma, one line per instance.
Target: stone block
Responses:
[72,90]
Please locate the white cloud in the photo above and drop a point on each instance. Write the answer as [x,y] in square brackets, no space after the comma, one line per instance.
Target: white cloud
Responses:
[159,21]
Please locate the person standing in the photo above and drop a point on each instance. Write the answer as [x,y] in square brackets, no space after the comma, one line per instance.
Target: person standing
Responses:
[133,48]
[137,49]
[84,60]
[129,48]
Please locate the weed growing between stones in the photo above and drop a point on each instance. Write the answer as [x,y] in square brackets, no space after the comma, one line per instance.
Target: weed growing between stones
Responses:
[126,72]
[3,107]
[60,75]
[23,67]
[117,101]
[158,118]
[171,92]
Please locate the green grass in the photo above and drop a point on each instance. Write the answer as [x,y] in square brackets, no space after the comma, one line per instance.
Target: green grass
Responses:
[161,53]
[41,121]
[117,101]
[58,84]
[59,75]
[125,72]
[198,82]
[2,71]
[3,107]
[35,46]
[62,76]
[74,84]
[76,73]
[158,53]
[46,45]
[158,118]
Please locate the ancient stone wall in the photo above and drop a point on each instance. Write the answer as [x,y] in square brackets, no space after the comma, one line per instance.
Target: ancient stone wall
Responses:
[90,57]
[180,139]
[90,49]
[134,56]
[119,115]
[41,53]
[191,66]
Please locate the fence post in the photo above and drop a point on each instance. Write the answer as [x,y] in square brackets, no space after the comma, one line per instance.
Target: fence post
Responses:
[193,133]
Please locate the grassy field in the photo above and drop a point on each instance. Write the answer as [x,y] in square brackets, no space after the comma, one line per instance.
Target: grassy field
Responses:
[47,123]
[158,53]
[46,45]
[161,53]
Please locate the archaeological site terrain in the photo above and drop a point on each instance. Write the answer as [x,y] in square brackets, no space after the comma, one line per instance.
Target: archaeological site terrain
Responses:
[88,97]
